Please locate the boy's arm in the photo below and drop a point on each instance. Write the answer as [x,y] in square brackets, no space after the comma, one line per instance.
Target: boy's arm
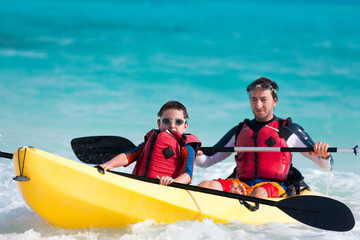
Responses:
[188,154]
[123,159]
[183,178]
[118,161]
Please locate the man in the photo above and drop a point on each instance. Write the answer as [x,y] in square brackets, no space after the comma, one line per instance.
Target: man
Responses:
[263,174]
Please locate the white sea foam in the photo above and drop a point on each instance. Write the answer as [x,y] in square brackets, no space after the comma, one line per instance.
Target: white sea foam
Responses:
[60,41]
[32,234]
[11,52]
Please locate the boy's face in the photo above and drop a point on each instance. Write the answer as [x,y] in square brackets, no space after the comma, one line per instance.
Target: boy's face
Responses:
[173,114]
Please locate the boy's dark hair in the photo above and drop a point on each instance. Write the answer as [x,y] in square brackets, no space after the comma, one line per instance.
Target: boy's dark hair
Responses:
[173,105]
[263,81]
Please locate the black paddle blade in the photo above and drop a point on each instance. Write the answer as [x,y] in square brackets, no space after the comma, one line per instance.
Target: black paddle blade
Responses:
[320,212]
[100,149]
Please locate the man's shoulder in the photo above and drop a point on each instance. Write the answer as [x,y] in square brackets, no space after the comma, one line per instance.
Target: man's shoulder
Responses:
[292,128]
[288,122]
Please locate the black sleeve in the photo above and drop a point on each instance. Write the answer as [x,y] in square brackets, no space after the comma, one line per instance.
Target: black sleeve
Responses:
[223,141]
[296,129]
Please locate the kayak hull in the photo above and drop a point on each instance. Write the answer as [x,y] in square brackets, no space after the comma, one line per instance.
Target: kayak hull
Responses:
[70,194]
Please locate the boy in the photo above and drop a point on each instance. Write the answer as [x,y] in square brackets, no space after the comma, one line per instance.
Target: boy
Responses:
[168,153]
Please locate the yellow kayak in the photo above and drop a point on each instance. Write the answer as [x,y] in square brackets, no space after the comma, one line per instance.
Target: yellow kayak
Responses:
[74,195]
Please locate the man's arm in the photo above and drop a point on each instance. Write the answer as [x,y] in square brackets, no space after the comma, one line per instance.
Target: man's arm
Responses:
[207,160]
[296,136]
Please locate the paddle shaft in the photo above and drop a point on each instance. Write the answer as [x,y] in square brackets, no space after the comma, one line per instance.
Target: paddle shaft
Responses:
[6,155]
[275,149]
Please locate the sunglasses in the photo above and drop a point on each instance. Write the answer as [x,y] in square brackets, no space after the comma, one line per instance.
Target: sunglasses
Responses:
[262,85]
[178,122]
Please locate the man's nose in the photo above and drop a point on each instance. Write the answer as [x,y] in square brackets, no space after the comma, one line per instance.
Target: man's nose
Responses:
[258,104]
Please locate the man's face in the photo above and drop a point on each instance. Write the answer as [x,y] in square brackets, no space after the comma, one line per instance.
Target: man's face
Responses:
[262,104]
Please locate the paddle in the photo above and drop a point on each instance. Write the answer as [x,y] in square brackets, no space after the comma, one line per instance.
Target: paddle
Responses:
[99,149]
[316,211]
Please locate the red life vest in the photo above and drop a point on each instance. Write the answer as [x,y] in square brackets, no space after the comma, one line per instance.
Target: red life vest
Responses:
[162,154]
[267,165]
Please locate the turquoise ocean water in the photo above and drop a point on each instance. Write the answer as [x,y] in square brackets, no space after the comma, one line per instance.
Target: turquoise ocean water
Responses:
[82,68]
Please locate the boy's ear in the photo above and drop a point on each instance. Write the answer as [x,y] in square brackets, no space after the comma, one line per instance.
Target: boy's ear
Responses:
[158,123]
[186,125]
